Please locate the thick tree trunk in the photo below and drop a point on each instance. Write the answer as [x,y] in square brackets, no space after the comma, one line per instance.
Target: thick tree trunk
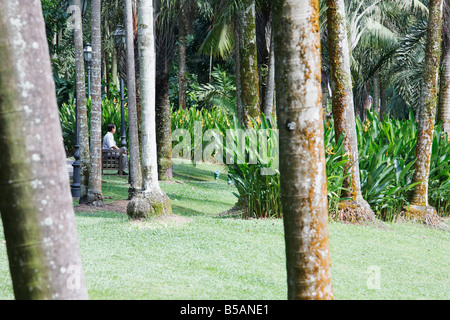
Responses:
[133,129]
[152,201]
[444,92]
[83,126]
[35,200]
[419,208]
[302,154]
[94,196]
[343,112]
[248,60]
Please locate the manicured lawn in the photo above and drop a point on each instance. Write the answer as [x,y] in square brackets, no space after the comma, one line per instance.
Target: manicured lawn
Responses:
[199,254]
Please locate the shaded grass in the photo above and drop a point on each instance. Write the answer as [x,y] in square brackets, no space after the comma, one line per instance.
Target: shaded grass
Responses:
[200,255]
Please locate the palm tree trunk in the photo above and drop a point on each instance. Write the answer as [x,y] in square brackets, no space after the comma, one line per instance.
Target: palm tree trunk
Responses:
[444,92]
[135,165]
[376,92]
[152,201]
[248,59]
[182,61]
[83,126]
[241,113]
[95,196]
[419,208]
[343,111]
[35,199]
[302,154]
[163,127]
[270,88]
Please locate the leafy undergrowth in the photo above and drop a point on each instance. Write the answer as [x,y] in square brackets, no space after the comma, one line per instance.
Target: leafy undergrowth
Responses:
[201,252]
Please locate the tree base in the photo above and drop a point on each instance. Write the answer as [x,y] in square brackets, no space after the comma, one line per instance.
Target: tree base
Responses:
[356,211]
[95,200]
[422,214]
[147,204]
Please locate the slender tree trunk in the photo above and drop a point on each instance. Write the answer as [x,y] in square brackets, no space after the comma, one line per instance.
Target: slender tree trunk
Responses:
[302,154]
[270,88]
[343,111]
[94,196]
[165,51]
[376,92]
[83,126]
[163,127]
[152,201]
[419,208]
[114,72]
[444,92]
[35,200]
[248,59]
[182,61]
[241,112]
[133,130]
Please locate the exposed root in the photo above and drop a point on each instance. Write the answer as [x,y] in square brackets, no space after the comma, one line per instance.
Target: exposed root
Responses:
[422,214]
[355,212]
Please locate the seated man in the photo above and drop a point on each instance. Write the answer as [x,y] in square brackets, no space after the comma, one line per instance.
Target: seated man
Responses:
[110,143]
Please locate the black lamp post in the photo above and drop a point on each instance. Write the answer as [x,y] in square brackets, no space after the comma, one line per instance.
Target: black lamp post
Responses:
[88,58]
[120,41]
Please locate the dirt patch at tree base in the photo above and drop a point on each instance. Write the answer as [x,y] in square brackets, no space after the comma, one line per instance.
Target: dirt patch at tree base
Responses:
[119,206]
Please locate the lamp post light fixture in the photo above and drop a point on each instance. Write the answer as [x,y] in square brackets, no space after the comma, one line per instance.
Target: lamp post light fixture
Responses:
[88,58]
[120,37]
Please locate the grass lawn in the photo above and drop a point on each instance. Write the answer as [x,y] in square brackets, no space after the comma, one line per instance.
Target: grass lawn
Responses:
[199,254]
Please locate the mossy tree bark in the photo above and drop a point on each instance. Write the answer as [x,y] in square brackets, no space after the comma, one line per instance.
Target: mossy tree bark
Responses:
[302,154]
[248,60]
[135,159]
[83,126]
[94,196]
[444,91]
[419,209]
[35,199]
[356,210]
[165,51]
[152,201]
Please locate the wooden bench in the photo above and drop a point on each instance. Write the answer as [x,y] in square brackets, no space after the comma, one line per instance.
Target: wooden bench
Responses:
[111,160]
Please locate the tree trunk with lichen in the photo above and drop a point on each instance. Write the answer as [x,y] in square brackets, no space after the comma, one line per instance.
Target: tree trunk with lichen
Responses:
[444,92]
[35,199]
[248,61]
[94,196]
[419,209]
[151,201]
[163,128]
[356,209]
[82,118]
[134,151]
[302,154]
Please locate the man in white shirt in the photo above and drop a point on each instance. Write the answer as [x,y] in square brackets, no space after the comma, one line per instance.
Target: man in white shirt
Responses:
[110,143]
